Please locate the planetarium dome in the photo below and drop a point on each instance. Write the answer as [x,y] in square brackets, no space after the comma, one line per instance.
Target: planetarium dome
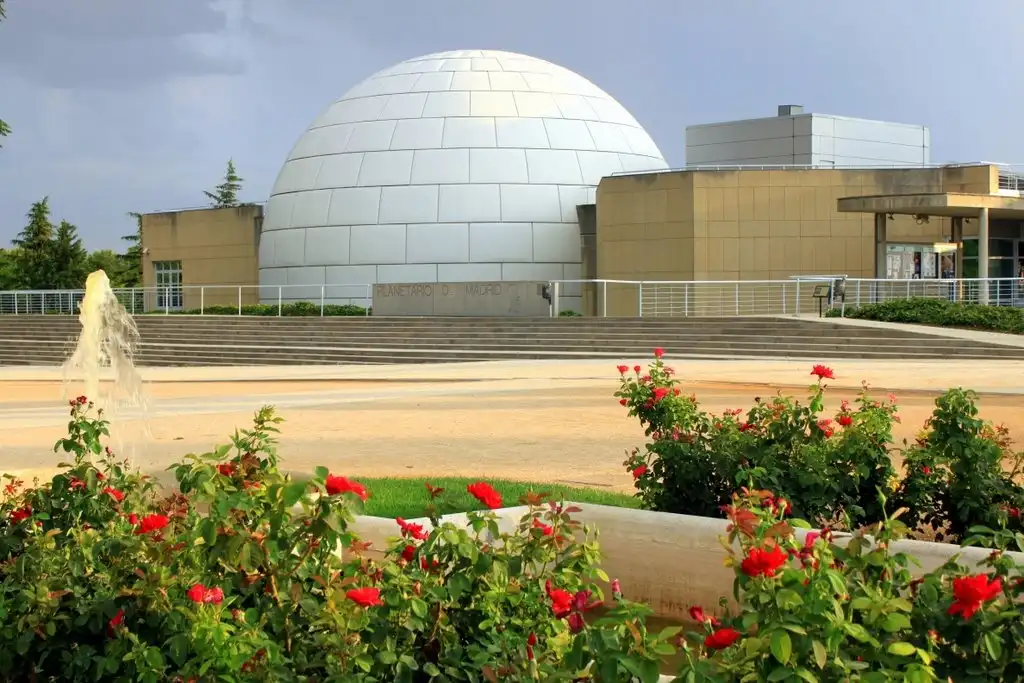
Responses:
[452,167]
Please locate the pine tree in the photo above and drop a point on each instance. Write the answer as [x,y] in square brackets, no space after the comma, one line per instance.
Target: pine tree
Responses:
[225,195]
[35,248]
[130,273]
[69,258]
[5,130]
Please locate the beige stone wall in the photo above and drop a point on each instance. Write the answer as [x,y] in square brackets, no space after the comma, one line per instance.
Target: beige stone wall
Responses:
[757,224]
[215,247]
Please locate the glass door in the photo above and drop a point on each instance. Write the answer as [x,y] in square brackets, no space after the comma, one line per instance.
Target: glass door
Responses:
[168,285]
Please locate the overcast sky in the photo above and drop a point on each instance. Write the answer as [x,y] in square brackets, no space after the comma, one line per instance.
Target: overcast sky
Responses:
[136,105]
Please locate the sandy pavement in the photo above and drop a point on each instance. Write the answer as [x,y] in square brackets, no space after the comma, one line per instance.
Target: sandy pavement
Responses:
[546,421]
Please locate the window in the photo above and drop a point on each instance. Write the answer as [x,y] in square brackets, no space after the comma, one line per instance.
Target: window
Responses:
[168,285]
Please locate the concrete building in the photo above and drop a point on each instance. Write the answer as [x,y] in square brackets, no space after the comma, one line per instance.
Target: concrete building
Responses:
[198,258]
[795,137]
[495,168]
[452,167]
[744,224]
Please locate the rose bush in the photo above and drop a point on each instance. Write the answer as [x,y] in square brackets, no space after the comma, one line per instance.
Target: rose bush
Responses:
[828,467]
[811,608]
[245,574]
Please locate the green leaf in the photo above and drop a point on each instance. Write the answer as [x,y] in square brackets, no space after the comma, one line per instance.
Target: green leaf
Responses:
[457,585]
[895,621]
[419,608]
[820,654]
[364,662]
[787,598]
[780,674]
[387,657]
[860,603]
[782,646]
[431,669]
[293,492]
[901,649]
[993,644]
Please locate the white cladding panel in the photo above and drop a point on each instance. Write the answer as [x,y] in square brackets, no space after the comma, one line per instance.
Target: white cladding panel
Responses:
[457,166]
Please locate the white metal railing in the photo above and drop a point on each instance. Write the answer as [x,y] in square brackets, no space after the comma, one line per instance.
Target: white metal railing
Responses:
[799,295]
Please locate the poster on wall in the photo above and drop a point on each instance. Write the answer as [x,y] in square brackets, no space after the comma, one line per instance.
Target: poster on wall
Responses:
[928,269]
[893,266]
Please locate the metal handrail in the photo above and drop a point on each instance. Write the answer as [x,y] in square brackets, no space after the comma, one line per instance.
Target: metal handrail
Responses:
[650,297]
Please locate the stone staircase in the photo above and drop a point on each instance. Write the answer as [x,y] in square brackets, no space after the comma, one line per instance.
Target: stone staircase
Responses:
[228,340]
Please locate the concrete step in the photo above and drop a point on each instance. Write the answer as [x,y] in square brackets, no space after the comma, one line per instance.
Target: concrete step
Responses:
[230,340]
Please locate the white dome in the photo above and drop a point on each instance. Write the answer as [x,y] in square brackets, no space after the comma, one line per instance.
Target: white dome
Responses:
[453,167]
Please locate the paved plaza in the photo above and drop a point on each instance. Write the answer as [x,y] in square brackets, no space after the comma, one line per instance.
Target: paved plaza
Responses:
[555,421]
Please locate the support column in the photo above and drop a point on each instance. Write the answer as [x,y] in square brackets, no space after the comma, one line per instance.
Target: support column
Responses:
[881,242]
[983,257]
[957,237]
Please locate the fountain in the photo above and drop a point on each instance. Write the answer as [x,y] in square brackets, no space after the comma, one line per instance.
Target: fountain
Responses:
[108,340]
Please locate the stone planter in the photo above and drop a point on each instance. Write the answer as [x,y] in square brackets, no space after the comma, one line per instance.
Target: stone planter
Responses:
[667,561]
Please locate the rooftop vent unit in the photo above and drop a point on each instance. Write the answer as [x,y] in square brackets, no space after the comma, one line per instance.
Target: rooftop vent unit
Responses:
[790,109]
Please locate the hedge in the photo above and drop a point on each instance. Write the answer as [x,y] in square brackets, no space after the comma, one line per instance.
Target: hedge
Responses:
[298,308]
[940,313]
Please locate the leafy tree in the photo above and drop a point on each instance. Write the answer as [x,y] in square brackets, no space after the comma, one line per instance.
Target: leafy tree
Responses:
[9,277]
[5,130]
[225,195]
[34,259]
[69,258]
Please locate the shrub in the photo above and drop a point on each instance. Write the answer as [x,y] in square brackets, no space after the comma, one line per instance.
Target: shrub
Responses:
[940,313]
[244,574]
[816,610]
[828,468]
[295,308]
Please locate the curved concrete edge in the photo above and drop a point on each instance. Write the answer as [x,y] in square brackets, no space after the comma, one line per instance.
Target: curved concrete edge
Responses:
[670,561]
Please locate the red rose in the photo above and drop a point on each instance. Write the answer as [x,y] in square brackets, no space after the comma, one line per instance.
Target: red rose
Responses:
[970,592]
[486,494]
[822,372]
[636,369]
[623,369]
[844,420]
[336,485]
[698,614]
[623,402]
[926,470]
[213,596]
[151,523]
[761,562]
[825,426]
[408,552]
[659,352]
[365,597]
[196,593]
[226,468]
[20,515]
[639,471]
[545,530]
[660,393]
[115,621]
[561,600]
[113,493]
[576,622]
[721,639]
[133,519]
[412,530]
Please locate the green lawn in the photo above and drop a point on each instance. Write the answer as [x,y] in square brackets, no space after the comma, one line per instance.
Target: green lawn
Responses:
[409,497]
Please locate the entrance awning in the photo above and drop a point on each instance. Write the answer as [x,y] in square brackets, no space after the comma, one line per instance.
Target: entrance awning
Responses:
[950,204]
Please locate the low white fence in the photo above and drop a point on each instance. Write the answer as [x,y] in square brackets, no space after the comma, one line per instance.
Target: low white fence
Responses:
[803,295]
